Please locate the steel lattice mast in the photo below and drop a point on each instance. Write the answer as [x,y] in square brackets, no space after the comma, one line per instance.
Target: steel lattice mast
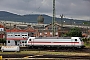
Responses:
[53,19]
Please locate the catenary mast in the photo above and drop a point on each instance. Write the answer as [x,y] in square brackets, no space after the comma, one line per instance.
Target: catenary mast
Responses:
[53,19]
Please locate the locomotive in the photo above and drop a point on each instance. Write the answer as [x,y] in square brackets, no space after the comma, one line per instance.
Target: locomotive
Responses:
[55,42]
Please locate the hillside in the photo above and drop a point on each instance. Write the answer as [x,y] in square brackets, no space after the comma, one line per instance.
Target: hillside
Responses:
[32,18]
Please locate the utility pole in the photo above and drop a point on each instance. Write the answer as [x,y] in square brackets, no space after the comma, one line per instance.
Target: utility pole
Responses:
[53,19]
[62,23]
[62,20]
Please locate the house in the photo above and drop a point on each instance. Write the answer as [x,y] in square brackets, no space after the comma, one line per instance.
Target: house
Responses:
[2,31]
[17,36]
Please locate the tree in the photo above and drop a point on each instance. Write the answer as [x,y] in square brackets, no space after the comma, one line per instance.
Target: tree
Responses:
[75,32]
[3,41]
[87,23]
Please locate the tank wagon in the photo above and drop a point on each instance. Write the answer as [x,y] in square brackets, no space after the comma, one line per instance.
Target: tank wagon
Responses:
[55,42]
[10,48]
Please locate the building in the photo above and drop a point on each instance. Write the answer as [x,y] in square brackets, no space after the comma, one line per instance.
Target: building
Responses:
[17,36]
[46,31]
[2,31]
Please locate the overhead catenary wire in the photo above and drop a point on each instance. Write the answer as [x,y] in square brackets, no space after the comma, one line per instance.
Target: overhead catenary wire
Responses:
[37,8]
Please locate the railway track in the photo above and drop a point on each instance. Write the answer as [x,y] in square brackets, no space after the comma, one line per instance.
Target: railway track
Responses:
[51,57]
[85,50]
[62,49]
[43,56]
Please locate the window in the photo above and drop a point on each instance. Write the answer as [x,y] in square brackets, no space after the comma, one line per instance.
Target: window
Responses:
[22,41]
[29,39]
[45,32]
[40,33]
[8,41]
[25,41]
[10,35]
[75,39]
[1,29]
[80,39]
[50,33]
[24,35]
[16,35]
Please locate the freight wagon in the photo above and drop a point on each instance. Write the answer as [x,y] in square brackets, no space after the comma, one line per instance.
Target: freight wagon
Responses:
[10,48]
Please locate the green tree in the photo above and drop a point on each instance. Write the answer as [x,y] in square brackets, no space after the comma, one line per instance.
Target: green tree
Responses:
[87,23]
[3,41]
[74,32]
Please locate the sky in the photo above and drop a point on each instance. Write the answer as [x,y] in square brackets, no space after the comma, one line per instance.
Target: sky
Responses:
[74,9]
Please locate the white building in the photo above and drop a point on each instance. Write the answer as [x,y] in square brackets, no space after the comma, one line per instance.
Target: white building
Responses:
[17,36]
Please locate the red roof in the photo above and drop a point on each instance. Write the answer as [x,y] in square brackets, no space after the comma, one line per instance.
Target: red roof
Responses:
[1,26]
[15,30]
[17,38]
[30,30]
[20,30]
[84,35]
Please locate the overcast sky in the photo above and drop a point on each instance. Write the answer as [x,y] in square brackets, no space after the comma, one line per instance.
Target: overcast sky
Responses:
[78,9]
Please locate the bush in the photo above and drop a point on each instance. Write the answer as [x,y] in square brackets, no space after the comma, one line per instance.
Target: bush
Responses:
[2,40]
[86,42]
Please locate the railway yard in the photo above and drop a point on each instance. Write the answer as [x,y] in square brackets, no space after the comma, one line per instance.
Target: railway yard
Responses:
[47,54]
[45,30]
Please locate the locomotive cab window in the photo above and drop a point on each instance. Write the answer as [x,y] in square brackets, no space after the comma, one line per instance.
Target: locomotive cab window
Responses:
[29,39]
[81,39]
[75,39]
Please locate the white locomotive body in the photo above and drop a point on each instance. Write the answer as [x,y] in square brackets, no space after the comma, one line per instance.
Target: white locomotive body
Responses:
[56,41]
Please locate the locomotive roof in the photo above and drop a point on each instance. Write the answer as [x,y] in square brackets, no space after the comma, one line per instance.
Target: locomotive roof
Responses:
[52,37]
